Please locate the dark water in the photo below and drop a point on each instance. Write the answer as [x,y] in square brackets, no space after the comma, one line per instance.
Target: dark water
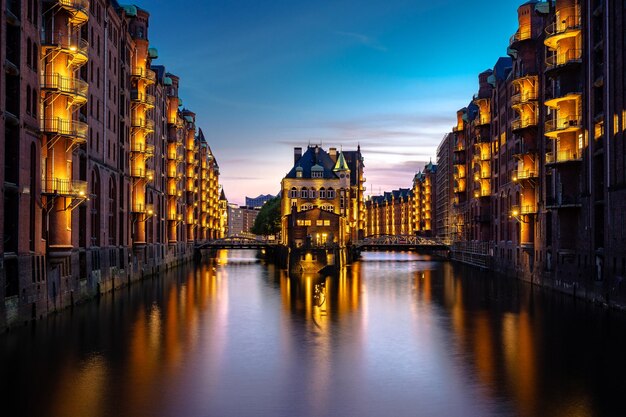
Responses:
[395,335]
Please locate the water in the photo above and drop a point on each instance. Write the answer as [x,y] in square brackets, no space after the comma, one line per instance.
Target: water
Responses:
[395,335]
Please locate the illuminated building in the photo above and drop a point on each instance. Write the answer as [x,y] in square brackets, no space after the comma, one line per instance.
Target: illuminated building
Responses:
[87,128]
[390,213]
[538,167]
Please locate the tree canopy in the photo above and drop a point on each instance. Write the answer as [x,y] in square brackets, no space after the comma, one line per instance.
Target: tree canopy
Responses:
[267,222]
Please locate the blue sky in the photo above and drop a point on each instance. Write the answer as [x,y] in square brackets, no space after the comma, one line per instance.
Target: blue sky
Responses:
[264,76]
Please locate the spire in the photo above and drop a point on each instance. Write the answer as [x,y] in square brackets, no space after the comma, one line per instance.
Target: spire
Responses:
[341,164]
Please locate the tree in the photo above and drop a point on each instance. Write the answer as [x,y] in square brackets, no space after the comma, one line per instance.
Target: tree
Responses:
[267,222]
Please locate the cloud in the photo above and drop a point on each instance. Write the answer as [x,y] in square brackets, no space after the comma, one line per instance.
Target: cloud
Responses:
[364,40]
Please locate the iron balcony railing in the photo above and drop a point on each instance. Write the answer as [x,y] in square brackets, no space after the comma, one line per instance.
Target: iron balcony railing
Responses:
[523,97]
[65,127]
[522,123]
[75,5]
[563,156]
[67,85]
[563,123]
[141,123]
[554,60]
[524,174]
[523,209]
[145,73]
[524,32]
[566,19]
[64,187]
[143,98]
[71,43]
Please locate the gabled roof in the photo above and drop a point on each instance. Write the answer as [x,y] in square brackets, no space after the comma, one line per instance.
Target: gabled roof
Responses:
[341,164]
[314,155]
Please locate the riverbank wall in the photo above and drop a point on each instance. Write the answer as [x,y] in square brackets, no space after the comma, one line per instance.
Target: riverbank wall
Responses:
[82,275]
[565,274]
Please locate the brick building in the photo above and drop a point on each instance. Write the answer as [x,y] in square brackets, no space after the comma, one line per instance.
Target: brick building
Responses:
[105,177]
[539,157]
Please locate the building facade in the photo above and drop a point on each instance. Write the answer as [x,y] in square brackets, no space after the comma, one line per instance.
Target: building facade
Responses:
[538,161]
[106,177]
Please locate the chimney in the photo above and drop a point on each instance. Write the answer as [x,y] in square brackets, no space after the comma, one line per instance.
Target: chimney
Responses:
[297,154]
[333,154]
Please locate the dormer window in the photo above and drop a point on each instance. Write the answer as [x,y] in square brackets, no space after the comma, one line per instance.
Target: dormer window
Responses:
[317,174]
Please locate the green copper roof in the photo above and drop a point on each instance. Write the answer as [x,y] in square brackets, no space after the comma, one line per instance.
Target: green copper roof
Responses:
[130,10]
[180,101]
[153,53]
[341,164]
[167,81]
[189,119]
[318,168]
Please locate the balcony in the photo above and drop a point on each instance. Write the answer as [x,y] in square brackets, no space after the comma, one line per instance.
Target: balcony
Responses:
[524,174]
[523,33]
[142,173]
[64,127]
[142,98]
[559,125]
[482,120]
[70,86]
[141,123]
[145,74]
[563,156]
[561,201]
[64,187]
[79,9]
[559,60]
[562,95]
[567,24]
[76,47]
[523,97]
[523,210]
[523,123]
[480,193]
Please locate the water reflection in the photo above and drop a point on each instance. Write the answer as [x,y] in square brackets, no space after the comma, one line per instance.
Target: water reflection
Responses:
[394,334]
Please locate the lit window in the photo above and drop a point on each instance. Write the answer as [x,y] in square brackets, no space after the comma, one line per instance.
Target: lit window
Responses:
[319,222]
[326,222]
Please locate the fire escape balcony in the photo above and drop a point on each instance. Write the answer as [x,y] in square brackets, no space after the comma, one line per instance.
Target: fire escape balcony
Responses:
[482,120]
[524,32]
[567,24]
[524,209]
[73,129]
[524,174]
[142,98]
[523,97]
[520,123]
[79,9]
[145,74]
[69,86]
[560,60]
[142,123]
[561,96]
[563,156]
[142,173]
[64,187]
[74,46]
[559,125]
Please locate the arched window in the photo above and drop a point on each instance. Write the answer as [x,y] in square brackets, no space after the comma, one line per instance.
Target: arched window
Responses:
[330,193]
[29,51]
[304,193]
[293,193]
[322,192]
[312,193]
[33,200]
[34,103]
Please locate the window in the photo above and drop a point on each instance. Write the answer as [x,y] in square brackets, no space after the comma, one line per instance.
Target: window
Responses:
[326,222]
[330,193]
[319,222]
[293,193]
[304,193]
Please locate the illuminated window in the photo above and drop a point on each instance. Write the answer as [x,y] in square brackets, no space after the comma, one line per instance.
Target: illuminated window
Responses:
[326,222]
[319,222]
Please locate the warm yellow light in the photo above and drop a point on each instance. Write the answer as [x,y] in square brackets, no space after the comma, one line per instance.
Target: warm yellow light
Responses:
[81,193]
[476,194]
[150,212]
[515,213]
[73,48]
[515,178]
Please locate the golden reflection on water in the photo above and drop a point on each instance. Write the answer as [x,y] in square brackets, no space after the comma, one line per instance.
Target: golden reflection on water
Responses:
[185,314]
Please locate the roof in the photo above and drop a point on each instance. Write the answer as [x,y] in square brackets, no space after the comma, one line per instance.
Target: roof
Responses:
[341,164]
[314,155]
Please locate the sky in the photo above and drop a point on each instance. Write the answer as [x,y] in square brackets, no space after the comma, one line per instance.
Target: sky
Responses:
[265,76]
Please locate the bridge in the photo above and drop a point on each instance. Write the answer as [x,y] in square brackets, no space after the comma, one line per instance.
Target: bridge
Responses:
[236,242]
[401,242]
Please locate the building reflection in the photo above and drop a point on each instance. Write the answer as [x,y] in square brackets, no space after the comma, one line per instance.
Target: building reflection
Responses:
[321,298]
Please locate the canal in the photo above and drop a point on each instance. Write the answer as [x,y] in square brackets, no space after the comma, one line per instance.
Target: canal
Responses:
[396,334]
